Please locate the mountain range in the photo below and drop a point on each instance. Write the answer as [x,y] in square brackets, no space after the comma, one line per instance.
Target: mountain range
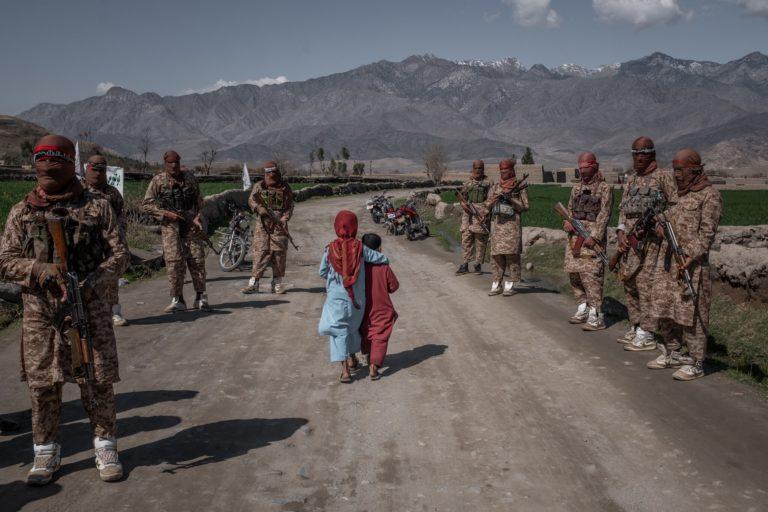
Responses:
[473,108]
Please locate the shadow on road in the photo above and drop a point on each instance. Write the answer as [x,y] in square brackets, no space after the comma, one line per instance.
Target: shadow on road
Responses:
[229,277]
[402,360]
[16,495]
[316,289]
[169,318]
[614,311]
[251,304]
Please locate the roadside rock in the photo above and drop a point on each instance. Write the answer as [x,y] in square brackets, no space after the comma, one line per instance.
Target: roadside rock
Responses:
[534,235]
[443,209]
[742,267]
[433,199]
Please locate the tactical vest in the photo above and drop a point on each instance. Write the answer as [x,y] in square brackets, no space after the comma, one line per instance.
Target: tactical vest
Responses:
[175,198]
[639,199]
[274,198]
[477,192]
[586,206]
[87,248]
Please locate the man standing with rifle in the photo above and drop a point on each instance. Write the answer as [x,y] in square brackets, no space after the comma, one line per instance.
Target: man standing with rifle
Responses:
[589,209]
[474,228]
[173,197]
[683,287]
[272,201]
[62,244]
[647,188]
[507,200]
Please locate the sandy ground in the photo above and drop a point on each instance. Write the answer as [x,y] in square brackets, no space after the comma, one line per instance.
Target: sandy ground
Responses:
[487,403]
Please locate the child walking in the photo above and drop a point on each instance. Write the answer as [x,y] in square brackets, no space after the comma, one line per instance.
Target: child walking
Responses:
[380,314]
[342,314]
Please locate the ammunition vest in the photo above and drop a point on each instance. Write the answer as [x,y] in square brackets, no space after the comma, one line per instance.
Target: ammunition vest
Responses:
[639,199]
[503,210]
[477,191]
[586,206]
[177,198]
[86,247]
[274,199]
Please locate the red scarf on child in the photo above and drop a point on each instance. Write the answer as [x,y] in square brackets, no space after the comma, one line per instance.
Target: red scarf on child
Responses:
[345,254]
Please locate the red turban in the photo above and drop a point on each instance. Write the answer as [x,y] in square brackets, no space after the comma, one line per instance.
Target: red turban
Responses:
[345,254]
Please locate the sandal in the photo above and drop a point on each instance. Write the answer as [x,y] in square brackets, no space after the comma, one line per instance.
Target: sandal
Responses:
[375,376]
[345,379]
[352,362]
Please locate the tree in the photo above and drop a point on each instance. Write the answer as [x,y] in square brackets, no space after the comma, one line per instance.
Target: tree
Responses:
[145,144]
[207,157]
[26,147]
[311,161]
[358,169]
[527,157]
[332,167]
[435,163]
[370,167]
[285,165]
[320,152]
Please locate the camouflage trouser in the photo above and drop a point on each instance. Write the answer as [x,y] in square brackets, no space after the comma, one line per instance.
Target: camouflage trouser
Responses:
[588,288]
[46,409]
[633,289]
[473,246]
[506,263]
[182,252]
[674,335]
[111,293]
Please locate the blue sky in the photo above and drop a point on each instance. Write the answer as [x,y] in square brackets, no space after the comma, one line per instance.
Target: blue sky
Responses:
[59,52]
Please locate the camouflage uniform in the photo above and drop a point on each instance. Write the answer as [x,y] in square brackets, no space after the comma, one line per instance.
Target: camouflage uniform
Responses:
[637,271]
[270,248]
[592,205]
[506,234]
[694,218]
[99,250]
[474,239]
[181,247]
[116,202]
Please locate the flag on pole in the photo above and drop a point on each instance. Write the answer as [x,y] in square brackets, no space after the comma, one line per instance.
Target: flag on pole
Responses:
[78,167]
[246,178]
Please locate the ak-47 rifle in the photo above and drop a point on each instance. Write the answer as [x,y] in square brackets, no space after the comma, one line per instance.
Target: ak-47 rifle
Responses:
[75,323]
[275,222]
[200,234]
[508,196]
[635,237]
[581,231]
[473,211]
[677,252]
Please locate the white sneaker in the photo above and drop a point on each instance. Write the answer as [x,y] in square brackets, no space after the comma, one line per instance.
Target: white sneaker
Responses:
[643,341]
[117,317]
[47,462]
[177,304]
[107,461]
[278,286]
[581,315]
[628,336]
[201,302]
[665,360]
[509,289]
[595,321]
[495,288]
[253,286]
[689,372]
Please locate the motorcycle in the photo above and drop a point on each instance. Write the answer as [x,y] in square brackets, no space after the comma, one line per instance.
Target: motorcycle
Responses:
[377,206]
[235,241]
[406,220]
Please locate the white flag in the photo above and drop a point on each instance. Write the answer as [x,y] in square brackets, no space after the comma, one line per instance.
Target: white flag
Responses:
[116,178]
[78,167]
[246,178]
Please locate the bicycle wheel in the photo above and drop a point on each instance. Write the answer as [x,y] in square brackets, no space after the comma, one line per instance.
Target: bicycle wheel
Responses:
[232,254]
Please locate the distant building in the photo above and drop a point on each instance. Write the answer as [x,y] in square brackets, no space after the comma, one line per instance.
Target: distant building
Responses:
[535,172]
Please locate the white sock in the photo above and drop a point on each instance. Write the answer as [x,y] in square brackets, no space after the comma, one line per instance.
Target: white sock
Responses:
[116,310]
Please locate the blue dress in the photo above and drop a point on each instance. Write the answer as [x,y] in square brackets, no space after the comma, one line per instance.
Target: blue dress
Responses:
[340,319]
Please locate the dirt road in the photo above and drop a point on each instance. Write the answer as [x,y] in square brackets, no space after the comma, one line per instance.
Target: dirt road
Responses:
[488,403]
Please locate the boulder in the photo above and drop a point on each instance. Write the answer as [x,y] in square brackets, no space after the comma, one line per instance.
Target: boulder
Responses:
[742,266]
[443,209]
[534,235]
[433,199]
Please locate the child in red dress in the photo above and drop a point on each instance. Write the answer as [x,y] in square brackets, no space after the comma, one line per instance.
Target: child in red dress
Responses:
[380,314]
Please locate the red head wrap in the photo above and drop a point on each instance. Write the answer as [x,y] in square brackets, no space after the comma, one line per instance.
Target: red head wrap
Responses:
[54,158]
[345,254]
[589,167]
[507,183]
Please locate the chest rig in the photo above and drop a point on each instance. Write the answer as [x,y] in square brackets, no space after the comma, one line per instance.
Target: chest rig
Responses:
[274,198]
[586,206]
[86,247]
[178,198]
[477,192]
[639,199]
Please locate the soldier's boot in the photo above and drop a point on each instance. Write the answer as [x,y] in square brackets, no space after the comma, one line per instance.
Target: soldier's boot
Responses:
[479,269]
[117,316]
[667,359]
[177,304]
[47,462]
[253,286]
[595,321]
[463,269]
[690,371]
[201,302]
[107,461]
[7,425]
[495,289]
[581,315]
[643,341]
[280,288]
[628,336]
[509,289]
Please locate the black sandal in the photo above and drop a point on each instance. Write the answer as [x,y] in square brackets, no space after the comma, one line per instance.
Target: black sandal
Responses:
[345,380]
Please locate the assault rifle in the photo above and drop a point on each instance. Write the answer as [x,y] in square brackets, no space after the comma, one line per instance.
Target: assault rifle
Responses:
[473,212]
[520,185]
[581,231]
[635,237]
[75,323]
[677,252]
[275,222]
[198,233]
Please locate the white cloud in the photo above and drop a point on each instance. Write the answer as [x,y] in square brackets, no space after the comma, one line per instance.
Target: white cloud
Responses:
[533,13]
[758,7]
[640,13]
[491,17]
[103,87]
[229,83]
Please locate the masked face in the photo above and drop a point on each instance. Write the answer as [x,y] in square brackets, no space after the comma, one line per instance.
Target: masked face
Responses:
[54,158]
[478,169]
[172,163]
[96,172]
[687,168]
[588,167]
[643,153]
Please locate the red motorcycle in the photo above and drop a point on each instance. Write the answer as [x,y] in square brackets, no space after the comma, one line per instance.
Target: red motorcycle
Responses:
[406,220]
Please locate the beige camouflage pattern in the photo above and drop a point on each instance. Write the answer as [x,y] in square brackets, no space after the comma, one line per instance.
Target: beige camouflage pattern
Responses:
[117,203]
[637,271]
[474,246]
[269,249]
[507,232]
[181,249]
[506,265]
[46,411]
[588,288]
[675,335]
[469,222]
[695,219]
[588,261]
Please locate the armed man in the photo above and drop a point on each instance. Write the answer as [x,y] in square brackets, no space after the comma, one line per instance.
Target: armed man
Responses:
[173,197]
[507,200]
[590,205]
[272,201]
[62,244]
[96,182]
[647,191]
[683,288]
[474,228]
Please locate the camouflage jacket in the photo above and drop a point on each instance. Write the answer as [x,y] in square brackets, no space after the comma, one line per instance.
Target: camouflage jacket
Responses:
[469,222]
[659,180]
[507,230]
[279,200]
[115,201]
[179,196]
[588,261]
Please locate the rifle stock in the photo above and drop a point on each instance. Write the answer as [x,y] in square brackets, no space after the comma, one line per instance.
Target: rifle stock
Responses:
[582,232]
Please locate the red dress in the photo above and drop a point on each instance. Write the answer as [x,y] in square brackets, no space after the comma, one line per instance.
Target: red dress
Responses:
[380,314]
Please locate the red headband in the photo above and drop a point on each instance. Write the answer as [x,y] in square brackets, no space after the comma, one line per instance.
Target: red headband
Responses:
[53,151]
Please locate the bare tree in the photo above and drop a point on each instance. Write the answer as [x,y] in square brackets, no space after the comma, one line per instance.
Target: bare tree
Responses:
[370,167]
[321,157]
[435,163]
[145,145]
[311,161]
[208,157]
[283,163]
